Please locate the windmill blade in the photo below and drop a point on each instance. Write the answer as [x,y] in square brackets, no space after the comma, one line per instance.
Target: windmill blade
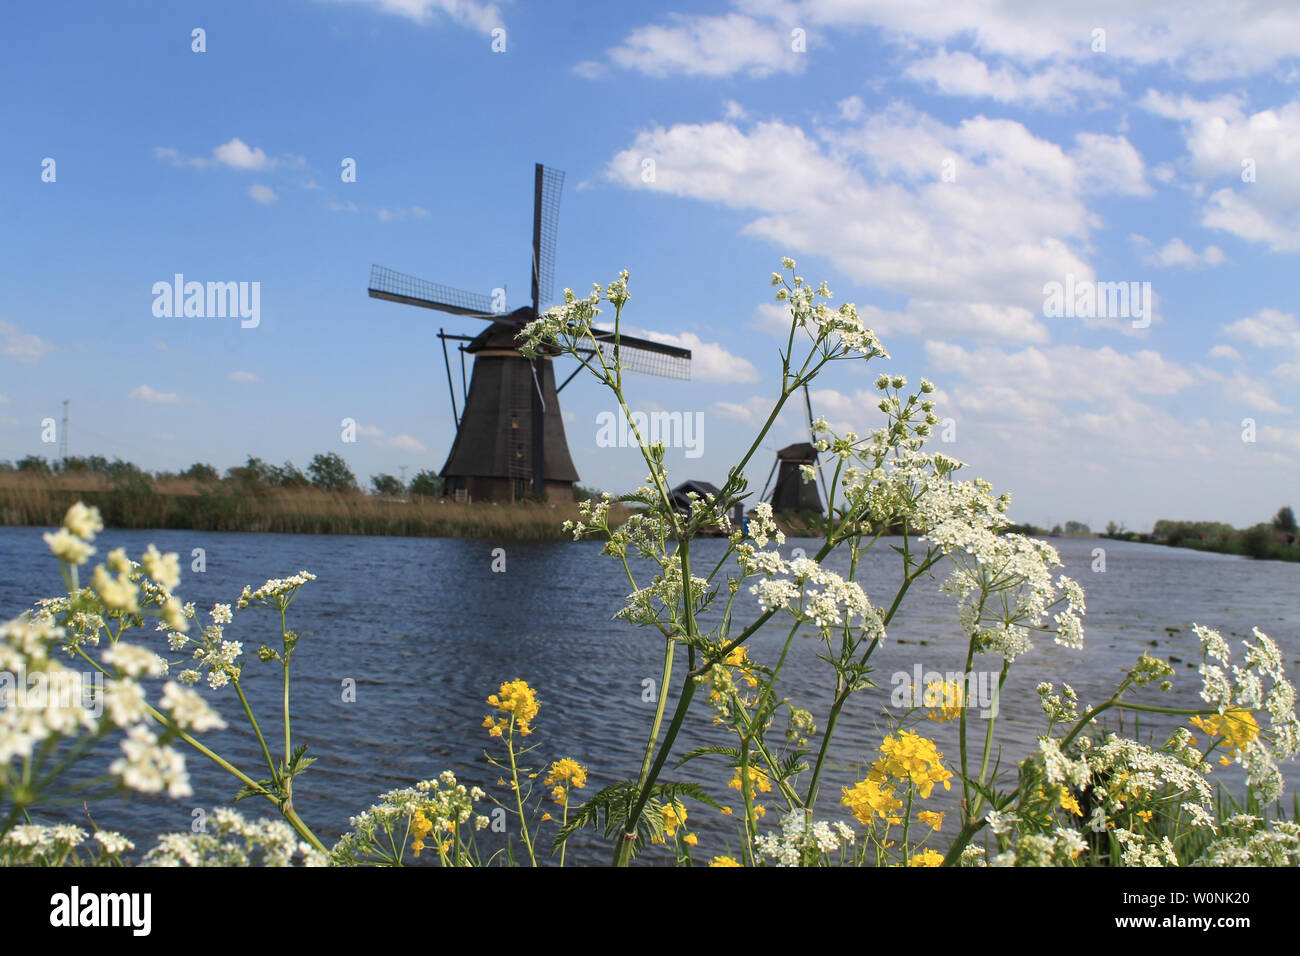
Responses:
[645,356]
[548,184]
[398,287]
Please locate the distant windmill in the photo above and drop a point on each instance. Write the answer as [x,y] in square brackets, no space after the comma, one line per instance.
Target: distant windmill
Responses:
[511,435]
[792,493]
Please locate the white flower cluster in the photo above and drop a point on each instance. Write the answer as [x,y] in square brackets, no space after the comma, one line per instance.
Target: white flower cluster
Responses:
[1140,850]
[445,802]
[663,594]
[803,840]
[1005,590]
[150,767]
[594,515]
[188,709]
[1245,689]
[1248,842]
[1060,847]
[209,649]
[762,524]
[1127,774]
[233,840]
[26,720]
[34,844]
[276,593]
[835,332]
[808,592]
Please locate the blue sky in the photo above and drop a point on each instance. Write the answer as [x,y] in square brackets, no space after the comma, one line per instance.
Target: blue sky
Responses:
[936,163]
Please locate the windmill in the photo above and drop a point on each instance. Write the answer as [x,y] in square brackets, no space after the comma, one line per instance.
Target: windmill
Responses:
[791,492]
[510,436]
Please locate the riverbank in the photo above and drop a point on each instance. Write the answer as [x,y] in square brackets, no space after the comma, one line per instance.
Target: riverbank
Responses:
[1241,544]
[180,504]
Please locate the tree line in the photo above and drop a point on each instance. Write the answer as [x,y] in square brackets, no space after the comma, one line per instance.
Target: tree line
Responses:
[327,471]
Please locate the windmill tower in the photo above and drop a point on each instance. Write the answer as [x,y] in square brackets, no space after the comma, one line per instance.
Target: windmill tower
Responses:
[792,493]
[510,438]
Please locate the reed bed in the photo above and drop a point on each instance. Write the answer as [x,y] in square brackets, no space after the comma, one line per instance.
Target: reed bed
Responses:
[183,504]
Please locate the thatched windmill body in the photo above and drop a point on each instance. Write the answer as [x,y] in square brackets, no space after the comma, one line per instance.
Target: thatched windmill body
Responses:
[510,438]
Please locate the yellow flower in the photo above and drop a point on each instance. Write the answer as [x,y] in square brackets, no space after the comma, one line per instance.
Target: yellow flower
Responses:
[758,781]
[739,658]
[1237,727]
[869,798]
[726,811]
[931,818]
[420,827]
[514,699]
[723,861]
[911,758]
[546,817]
[691,839]
[926,858]
[564,776]
[674,815]
[946,697]
[1065,797]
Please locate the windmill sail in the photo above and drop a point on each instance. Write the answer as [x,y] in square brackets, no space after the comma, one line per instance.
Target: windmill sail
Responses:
[396,286]
[646,356]
[548,184]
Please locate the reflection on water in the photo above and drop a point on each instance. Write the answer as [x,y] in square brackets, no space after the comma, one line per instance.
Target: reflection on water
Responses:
[427,630]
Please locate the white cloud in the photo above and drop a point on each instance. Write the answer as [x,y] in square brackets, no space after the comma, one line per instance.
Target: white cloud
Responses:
[847,412]
[244,378]
[871,198]
[1176,253]
[712,46]
[1255,152]
[234,154]
[1066,372]
[1055,86]
[399,214]
[239,155]
[1267,329]
[1274,331]
[710,362]
[852,108]
[263,194]
[753,412]
[1204,41]
[467,13]
[406,443]
[1225,352]
[146,394]
[21,346]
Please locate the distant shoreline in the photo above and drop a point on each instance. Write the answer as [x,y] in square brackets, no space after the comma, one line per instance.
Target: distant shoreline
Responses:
[1268,551]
